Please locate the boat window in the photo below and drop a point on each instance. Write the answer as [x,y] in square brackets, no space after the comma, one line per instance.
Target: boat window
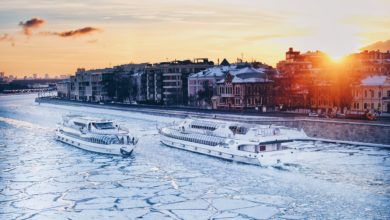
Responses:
[82,125]
[238,129]
[104,125]
[204,127]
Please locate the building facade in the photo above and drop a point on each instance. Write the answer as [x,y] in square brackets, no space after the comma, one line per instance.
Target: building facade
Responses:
[87,85]
[63,89]
[366,63]
[120,83]
[305,81]
[203,85]
[372,93]
[166,83]
[245,88]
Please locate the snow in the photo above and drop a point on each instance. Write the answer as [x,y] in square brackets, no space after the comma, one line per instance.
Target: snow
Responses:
[193,214]
[218,71]
[224,204]
[192,204]
[258,212]
[45,179]
[376,81]
[239,73]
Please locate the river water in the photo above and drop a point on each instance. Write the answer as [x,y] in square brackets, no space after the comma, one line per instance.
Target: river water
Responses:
[44,179]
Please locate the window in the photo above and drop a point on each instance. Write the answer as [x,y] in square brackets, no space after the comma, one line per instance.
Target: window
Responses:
[372,105]
[237,90]
[365,93]
[379,94]
[357,105]
[365,105]
[372,93]
[379,106]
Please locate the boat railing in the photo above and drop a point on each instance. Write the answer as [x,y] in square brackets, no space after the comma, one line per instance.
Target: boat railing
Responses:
[266,131]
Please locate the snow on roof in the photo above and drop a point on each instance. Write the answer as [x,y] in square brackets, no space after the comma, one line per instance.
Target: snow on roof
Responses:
[247,74]
[249,80]
[218,71]
[243,72]
[375,81]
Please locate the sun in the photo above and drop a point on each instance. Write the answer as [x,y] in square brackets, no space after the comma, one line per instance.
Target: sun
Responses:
[337,58]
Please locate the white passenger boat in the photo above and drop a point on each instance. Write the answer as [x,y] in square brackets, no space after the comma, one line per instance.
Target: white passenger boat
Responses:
[96,135]
[245,143]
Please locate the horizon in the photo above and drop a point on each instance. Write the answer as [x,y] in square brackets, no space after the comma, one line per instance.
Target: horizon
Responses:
[58,37]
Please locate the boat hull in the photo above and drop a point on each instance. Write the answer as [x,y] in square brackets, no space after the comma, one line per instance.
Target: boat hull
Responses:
[270,158]
[113,149]
[209,151]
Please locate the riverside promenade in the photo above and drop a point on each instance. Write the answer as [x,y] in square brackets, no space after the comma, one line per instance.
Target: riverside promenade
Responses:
[343,131]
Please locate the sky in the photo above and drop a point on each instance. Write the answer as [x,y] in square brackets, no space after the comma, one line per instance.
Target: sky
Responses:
[59,36]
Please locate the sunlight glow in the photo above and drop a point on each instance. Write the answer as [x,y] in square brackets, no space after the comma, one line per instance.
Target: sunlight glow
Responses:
[152,31]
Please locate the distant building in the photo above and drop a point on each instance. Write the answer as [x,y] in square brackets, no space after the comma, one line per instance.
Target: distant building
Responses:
[245,87]
[135,74]
[368,63]
[372,93]
[166,82]
[63,89]
[300,73]
[203,85]
[119,83]
[87,85]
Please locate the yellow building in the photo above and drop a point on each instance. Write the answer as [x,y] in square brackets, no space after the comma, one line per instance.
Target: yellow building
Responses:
[372,93]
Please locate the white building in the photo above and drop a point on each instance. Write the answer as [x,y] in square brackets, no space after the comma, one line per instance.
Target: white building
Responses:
[372,93]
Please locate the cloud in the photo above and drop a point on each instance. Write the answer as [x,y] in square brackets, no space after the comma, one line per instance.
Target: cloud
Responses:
[73,33]
[33,23]
[380,45]
[7,38]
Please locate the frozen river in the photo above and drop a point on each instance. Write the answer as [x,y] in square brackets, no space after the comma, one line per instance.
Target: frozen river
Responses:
[44,179]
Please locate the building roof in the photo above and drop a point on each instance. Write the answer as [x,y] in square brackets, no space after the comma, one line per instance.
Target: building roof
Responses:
[217,71]
[378,80]
[248,74]
[243,73]
[225,62]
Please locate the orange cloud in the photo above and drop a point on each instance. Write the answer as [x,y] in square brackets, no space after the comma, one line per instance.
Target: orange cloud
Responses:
[31,24]
[73,33]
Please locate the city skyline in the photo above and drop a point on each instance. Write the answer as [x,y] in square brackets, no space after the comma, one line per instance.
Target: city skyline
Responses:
[60,36]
